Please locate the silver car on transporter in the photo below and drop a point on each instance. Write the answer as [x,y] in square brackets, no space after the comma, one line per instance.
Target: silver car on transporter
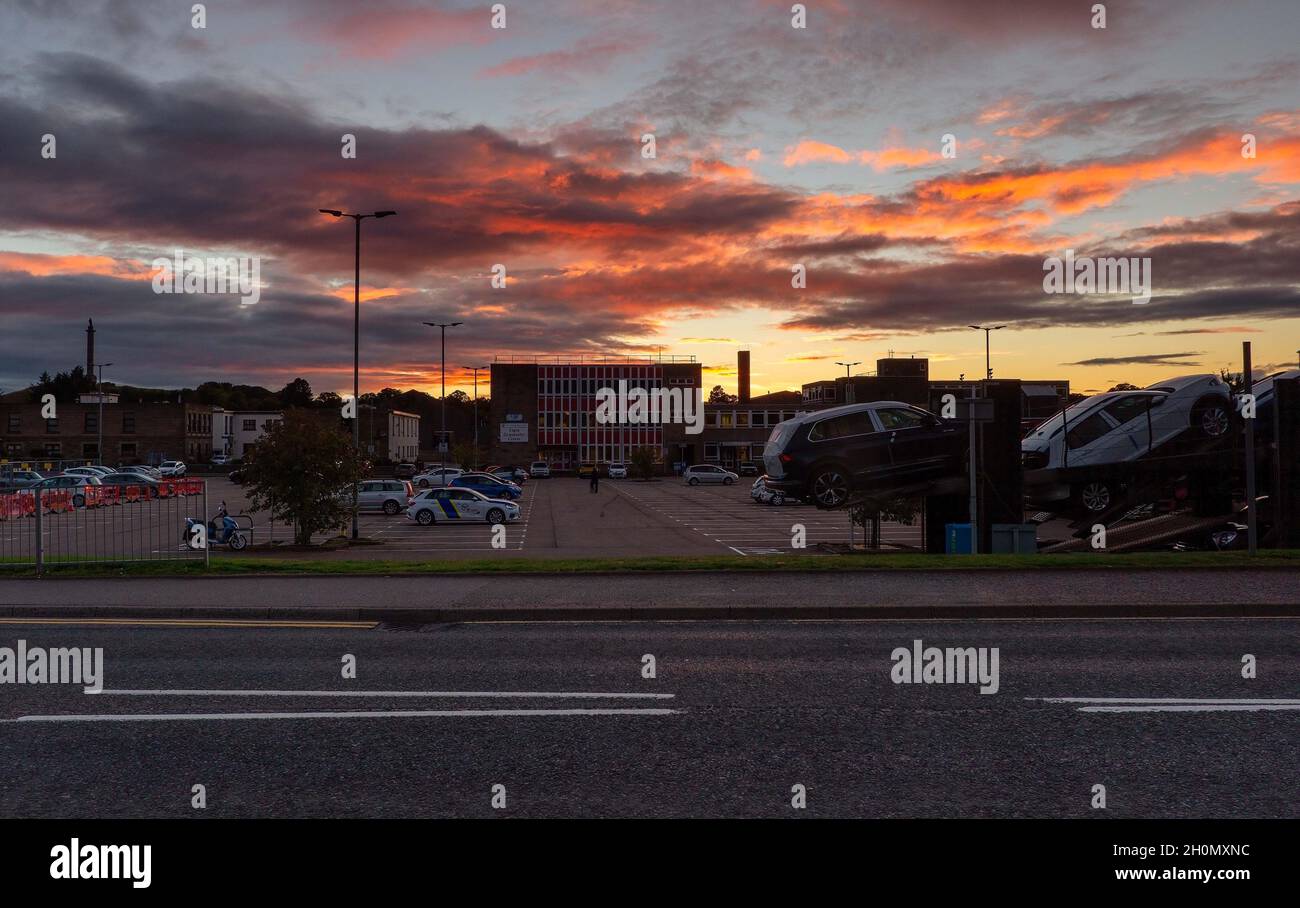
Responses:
[1119,427]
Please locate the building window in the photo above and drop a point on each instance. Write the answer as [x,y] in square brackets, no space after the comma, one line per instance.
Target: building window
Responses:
[128,423]
[14,449]
[742,419]
[727,420]
[53,449]
[92,421]
[15,423]
[52,427]
[710,452]
[250,425]
[90,451]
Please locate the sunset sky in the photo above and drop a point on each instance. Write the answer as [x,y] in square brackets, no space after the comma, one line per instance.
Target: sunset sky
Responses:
[774,146]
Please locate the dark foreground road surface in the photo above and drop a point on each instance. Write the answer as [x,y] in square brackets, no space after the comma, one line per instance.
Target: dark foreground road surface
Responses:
[742,712]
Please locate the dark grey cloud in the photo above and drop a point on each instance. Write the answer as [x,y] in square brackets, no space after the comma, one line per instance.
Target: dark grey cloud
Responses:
[1144,359]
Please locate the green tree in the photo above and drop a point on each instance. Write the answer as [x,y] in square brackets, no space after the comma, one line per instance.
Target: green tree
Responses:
[719,396]
[643,463]
[465,454]
[296,394]
[303,471]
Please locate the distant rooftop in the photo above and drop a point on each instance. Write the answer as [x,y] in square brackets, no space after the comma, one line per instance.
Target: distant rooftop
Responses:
[597,359]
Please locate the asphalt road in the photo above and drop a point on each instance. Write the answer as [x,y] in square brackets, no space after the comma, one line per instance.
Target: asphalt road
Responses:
[755,709]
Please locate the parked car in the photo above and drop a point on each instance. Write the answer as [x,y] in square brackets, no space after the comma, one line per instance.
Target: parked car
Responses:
[539,469]
[748,468]
[617,470]
[64,482]
[146,484]
[586,468]
[436,477]
[827,455]
[388,495]
[762,494]
[220,460]
[487,484]
[448,505]
[97,472]
[172,469]
[141,469]
[16,480]
[405,471]
[517,475]
[1119,427]
[707,472]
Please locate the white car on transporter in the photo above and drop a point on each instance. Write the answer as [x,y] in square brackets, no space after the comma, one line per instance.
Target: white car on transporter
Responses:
[1119,427]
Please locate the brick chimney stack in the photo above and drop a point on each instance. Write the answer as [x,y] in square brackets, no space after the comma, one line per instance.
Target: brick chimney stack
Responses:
[90,346]
[742,376]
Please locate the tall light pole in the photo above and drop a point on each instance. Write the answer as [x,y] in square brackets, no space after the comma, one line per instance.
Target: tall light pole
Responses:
[476,370]
[443,326]
[988,367]
[99,445]
[356,340]
[849,395]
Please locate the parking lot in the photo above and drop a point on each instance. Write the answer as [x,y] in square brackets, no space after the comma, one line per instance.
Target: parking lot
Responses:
[559,518]
[727,518]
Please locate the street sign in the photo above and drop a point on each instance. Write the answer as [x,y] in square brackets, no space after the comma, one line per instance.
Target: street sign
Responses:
[982,407]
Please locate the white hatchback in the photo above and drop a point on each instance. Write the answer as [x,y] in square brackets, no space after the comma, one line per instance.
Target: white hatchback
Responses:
[172,469]
[437,477]
[460,506]
[707,472]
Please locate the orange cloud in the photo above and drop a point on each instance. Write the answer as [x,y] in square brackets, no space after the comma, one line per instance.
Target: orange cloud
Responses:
[370,293]
[42,265]
[810,150]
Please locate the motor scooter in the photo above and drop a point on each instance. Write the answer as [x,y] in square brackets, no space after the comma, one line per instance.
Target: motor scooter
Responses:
[222,529]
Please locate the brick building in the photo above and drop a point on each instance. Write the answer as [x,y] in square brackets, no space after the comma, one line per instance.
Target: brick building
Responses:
[132,432]
[544,408]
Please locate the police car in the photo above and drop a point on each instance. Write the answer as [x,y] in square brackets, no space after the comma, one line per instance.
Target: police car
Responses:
[459,505]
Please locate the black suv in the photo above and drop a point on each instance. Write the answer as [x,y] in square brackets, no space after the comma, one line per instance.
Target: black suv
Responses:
[828,454]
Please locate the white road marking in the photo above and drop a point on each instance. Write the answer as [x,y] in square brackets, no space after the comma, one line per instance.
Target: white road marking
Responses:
[585,695]
[378,714]
[1194,708]
[1174,704]
[1190,700]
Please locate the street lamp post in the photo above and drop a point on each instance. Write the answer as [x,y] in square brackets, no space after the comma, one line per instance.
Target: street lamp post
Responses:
[849,396]
[356,339]
[99,445]
[442,444]
[988,367]
[476,370]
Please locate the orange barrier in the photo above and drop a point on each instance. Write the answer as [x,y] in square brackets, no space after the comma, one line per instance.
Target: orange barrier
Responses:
[17,504]
[56,502]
